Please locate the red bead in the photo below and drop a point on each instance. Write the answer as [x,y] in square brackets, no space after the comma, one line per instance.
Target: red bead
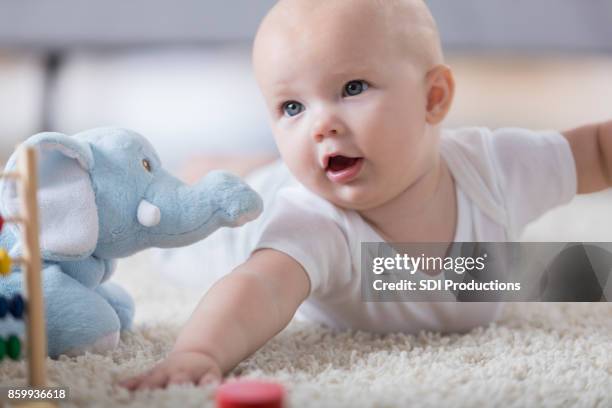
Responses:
[1,222]
[251,394]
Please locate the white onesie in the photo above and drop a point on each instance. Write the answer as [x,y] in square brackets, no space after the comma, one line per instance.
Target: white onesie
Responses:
[504,180]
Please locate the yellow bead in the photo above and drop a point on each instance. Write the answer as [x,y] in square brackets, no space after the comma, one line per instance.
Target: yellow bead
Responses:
[5,262]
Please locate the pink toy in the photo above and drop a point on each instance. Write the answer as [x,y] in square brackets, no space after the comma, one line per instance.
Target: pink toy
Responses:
[251,394]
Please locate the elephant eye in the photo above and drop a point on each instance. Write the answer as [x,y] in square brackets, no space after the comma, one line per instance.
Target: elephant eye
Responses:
[146,164]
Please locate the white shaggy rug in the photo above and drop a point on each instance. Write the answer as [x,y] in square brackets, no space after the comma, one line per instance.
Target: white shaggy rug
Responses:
[553,355]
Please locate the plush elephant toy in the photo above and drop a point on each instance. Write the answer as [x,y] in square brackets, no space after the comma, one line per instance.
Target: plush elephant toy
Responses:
[103,195]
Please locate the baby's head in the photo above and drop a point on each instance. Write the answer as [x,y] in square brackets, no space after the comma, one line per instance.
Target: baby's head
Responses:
[355,90]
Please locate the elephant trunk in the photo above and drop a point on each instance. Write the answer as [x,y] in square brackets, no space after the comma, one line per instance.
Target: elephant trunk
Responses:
[174,214]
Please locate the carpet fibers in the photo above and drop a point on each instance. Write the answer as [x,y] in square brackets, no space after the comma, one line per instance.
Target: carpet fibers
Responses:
[552,355]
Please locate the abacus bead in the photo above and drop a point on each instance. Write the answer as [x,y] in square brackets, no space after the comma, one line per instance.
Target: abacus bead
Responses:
[17,306]
[2,348]
[13,347]
[4,307]
[5,262]
[1,222]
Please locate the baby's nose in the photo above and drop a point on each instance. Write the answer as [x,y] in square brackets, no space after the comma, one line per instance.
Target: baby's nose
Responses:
[326,127]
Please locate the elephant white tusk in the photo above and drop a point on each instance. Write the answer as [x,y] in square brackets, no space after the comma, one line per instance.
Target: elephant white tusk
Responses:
[148,214]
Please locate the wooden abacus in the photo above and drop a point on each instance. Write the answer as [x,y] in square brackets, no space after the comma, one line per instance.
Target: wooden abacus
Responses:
[26,178]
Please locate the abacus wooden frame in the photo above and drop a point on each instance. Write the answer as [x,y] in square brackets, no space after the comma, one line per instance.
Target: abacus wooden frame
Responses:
[26,178]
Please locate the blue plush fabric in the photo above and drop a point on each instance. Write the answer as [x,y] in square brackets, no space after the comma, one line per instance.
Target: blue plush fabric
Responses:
[103,194]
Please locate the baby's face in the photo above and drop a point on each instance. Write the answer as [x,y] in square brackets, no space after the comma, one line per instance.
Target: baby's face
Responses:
[347,109]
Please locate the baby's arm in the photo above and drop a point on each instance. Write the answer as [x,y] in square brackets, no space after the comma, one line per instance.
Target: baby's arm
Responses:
[238,315]
[592,149]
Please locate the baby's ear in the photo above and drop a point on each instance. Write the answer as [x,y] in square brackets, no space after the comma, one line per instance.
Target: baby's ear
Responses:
[440,93]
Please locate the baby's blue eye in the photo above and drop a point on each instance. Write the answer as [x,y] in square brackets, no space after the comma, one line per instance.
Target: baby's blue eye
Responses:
[353,88]
[292,108]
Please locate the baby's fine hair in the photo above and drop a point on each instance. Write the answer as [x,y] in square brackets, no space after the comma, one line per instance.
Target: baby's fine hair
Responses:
[409,21]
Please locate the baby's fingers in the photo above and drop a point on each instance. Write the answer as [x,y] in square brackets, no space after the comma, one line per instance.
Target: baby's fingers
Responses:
[158,379]
[179,378]
[209,378]
[132,383]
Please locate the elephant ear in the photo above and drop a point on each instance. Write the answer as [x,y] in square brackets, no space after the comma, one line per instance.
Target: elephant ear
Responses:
[66,200]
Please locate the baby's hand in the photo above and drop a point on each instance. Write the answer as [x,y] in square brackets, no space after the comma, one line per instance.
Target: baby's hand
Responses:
[177,368]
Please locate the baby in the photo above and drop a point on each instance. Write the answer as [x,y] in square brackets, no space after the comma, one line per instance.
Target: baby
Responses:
[357,90]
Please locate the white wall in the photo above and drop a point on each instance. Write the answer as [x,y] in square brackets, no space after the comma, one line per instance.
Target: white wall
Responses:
[21,79]
[185,101]
[536,92]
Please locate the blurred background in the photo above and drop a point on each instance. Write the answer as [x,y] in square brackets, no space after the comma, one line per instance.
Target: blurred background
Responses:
[179,72]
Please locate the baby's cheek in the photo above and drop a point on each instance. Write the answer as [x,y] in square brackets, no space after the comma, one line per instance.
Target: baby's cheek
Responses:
[286,150]
[297,161]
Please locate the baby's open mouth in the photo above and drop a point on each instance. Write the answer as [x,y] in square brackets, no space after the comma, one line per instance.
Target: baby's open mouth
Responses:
[339,163]
[342,169]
